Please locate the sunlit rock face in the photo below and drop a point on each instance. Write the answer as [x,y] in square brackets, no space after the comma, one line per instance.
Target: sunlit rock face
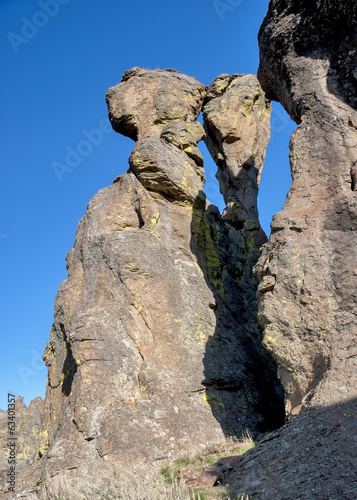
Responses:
[312,251]
[26,422]
[307,270]
[237,121]
[155,348]
[145,101]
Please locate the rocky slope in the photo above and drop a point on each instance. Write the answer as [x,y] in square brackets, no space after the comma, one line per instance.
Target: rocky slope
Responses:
[307,270]
[27,430]
[155,348]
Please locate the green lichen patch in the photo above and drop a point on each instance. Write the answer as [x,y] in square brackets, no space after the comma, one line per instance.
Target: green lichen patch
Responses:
[208,245]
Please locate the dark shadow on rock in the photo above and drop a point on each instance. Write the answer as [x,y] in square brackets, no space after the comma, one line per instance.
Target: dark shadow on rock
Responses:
[332,29]
[314,456]
[325,32]
[241,381]
[69,365]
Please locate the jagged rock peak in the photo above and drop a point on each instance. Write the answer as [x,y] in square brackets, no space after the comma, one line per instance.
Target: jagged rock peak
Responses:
[146,100]
[237,122]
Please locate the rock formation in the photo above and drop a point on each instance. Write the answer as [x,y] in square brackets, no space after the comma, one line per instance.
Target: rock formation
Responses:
[142,106]
[155,347]
[237,121]
[28,423]
[307,270]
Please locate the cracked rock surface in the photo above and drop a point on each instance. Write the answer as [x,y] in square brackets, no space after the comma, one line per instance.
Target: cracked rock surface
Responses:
[155,347]
[237,122]
[147,100]
[307,270]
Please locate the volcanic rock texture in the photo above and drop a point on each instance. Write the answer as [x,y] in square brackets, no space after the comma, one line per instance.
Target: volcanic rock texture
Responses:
[308,269]
[27,429]
[155,348]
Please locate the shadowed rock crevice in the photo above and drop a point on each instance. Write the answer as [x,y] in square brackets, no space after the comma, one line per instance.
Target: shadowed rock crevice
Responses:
[240,380]
[236,120]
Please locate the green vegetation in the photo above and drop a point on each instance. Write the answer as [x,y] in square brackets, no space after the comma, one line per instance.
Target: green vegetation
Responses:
[170,473]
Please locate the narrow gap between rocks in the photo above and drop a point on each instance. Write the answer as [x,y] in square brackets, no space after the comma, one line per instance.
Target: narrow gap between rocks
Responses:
[211,187]
[276,176]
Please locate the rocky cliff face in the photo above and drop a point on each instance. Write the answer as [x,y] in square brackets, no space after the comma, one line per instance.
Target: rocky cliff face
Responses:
[307,271]
[155,347]
[28,424]
[311,253]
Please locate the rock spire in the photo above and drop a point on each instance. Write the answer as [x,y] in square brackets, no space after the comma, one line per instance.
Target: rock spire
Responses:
[155,347]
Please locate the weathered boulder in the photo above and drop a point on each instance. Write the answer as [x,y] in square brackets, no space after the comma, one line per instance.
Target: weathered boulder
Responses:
[27,429]
[309,45]
[155,347]
[164,169]
[146,100]
[185,136]
[237,122]
[307,270]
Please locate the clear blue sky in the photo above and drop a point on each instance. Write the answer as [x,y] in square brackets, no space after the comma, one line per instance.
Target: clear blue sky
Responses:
[56,68]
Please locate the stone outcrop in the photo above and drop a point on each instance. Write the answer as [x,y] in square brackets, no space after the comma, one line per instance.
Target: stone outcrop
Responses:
[307,270]
[311,253]
[237,122]
[145,101]
[155,347]
[27,430]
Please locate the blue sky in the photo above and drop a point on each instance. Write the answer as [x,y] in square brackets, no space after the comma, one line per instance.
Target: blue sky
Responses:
[58,57]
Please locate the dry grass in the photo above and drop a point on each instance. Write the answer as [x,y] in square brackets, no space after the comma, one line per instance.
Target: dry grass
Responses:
[125,488]
[60,487]
[136,489]
[201,459]
[164,486]
[246,442]
[131,489]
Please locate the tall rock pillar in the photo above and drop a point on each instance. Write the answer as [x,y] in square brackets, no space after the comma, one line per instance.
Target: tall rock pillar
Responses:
[155,348]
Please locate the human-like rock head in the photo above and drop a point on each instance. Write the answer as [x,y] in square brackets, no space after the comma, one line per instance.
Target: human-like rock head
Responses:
[147,100]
